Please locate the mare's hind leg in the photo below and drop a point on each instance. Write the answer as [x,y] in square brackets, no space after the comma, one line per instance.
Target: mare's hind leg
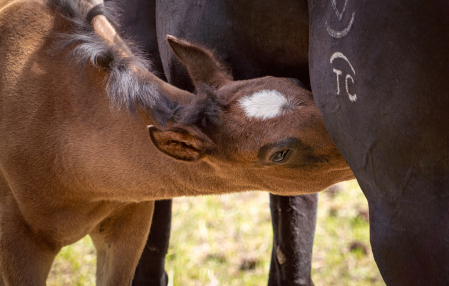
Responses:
[119,240]
[25,257]
[294,220]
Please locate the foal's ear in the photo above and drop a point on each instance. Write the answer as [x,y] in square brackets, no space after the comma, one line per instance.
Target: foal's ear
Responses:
[186,144]
[201,64]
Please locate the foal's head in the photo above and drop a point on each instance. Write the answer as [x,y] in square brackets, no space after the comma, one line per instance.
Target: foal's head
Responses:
[267,131]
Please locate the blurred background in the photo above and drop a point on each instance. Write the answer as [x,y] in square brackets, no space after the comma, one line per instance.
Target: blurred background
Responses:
[226,240]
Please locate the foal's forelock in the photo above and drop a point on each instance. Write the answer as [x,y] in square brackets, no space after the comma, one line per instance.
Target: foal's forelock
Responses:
[98,44]
[203,111]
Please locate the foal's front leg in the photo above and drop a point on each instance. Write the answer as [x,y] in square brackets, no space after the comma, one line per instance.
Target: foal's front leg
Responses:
[119,240]
[25,255]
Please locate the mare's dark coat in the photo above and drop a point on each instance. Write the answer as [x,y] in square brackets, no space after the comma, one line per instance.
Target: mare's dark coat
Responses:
[395,135]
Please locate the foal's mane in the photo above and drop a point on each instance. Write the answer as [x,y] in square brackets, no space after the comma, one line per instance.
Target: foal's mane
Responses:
[127,88]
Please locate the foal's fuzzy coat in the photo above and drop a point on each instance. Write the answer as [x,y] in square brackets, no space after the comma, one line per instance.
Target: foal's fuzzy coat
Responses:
[70,165]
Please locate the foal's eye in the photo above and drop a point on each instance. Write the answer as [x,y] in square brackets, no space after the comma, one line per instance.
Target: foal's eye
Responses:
[279,156]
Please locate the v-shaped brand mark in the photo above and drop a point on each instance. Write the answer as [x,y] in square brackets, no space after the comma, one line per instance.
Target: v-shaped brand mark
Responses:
[339,15]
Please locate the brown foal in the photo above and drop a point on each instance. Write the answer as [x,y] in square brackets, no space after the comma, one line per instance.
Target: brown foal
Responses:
[76,107]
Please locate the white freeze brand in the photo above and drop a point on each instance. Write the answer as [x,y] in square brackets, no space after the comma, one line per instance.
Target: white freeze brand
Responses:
[338,55]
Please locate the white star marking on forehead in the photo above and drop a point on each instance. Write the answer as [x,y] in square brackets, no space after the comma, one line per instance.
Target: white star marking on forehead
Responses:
[265,104]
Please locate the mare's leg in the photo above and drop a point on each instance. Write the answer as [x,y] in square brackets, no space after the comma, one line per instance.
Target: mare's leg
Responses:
[294,220]
[119,240]
[150,270]
[25,257]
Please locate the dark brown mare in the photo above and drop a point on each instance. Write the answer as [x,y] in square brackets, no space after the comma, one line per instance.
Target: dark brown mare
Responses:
[378,74]
[76,158]
[293,218]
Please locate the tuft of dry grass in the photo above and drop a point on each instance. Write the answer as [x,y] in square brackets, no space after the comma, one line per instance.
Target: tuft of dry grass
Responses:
[226,240]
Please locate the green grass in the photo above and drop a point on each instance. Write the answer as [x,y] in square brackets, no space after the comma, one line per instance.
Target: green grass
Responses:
[214,237]
[74,265]
[342,252]
[226,240]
